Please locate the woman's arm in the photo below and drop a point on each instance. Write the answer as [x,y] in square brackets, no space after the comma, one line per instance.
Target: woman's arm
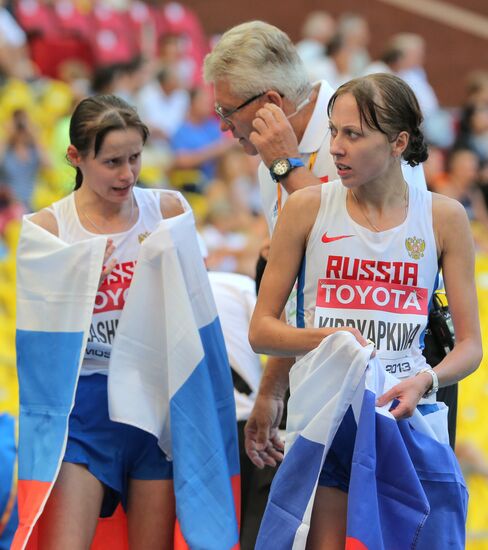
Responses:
[267,333]
[455,242]
[456,252]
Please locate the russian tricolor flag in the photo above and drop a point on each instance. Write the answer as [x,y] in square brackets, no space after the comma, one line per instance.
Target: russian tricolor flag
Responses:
[169,375]
[56,287]
[406,488]
[178,383]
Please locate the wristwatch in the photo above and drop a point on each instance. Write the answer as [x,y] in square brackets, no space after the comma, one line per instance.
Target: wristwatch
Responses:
[280,168]
[435,381]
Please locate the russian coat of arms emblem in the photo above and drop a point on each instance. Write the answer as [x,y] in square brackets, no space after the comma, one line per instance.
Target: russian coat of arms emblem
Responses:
[415,247]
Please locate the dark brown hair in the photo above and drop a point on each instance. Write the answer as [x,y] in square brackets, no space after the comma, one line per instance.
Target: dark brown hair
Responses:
[387,103]
[94,117]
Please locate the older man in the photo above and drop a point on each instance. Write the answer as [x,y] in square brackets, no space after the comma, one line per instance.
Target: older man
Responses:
[263,96]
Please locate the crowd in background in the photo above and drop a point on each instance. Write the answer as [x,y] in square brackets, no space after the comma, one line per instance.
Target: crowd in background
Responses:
[55,52]
[52,53]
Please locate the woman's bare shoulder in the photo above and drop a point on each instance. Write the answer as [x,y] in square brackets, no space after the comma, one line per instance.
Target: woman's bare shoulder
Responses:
[447,207]
[46,219]
[307,195]
[172,204]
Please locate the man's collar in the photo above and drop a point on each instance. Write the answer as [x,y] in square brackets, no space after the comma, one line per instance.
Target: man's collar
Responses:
[318,125]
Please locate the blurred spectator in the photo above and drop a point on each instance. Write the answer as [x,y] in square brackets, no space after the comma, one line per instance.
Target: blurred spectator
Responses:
[163,103]
[335,67]
[14,55]
[434,167]
[473,131]
[191,45]
[77,75]
[231,248]
[460,183]
[483,180]
[317,31]
[354,30]
[173,52]
[477,87]
[236,186]
[389,62]
[130,76]
[473,126]
[10,209]
[21,157]
[199,143]
[411,69]
[124,79]
[438,124]
[104,77]
[234,226]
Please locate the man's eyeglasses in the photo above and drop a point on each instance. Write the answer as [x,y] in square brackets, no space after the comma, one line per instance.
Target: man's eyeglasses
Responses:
[225,117]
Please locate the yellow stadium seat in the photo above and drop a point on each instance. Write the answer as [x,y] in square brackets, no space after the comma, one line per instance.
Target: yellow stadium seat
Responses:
[199,205]
[477,521]
[56,100]
[9,391]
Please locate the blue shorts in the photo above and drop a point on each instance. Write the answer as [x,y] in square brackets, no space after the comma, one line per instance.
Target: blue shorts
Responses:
[336,471]
[112,452]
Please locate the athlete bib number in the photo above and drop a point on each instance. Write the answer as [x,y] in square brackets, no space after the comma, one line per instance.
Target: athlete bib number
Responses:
[400,367]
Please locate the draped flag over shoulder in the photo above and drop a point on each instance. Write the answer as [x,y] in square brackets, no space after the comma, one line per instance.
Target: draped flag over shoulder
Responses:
[180,372]
[169,375]
[406,489]
[56,287]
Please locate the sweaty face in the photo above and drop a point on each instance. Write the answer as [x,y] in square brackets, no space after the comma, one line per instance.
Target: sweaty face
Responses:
[241,121]
[114,171]
[360,153]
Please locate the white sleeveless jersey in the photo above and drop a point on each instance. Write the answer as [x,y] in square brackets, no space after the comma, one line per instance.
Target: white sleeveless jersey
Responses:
[111,295]
[380,283]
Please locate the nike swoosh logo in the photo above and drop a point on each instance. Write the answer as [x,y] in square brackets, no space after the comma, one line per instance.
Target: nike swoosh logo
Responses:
[326,239]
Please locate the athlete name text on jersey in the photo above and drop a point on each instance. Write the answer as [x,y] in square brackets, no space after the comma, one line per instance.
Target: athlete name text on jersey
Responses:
[385,335]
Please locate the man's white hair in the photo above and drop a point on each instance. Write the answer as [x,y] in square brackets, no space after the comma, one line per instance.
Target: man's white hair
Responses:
[255,57]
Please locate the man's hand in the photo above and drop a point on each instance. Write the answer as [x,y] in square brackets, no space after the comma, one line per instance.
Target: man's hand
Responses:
[262,442]
[273,135]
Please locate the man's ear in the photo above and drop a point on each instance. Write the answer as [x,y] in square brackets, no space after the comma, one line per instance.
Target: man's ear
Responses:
[400,144]
[73,155]
[274,97]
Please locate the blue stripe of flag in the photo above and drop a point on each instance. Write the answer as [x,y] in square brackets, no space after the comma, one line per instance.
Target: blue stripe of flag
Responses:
[205,452]
[47,364]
